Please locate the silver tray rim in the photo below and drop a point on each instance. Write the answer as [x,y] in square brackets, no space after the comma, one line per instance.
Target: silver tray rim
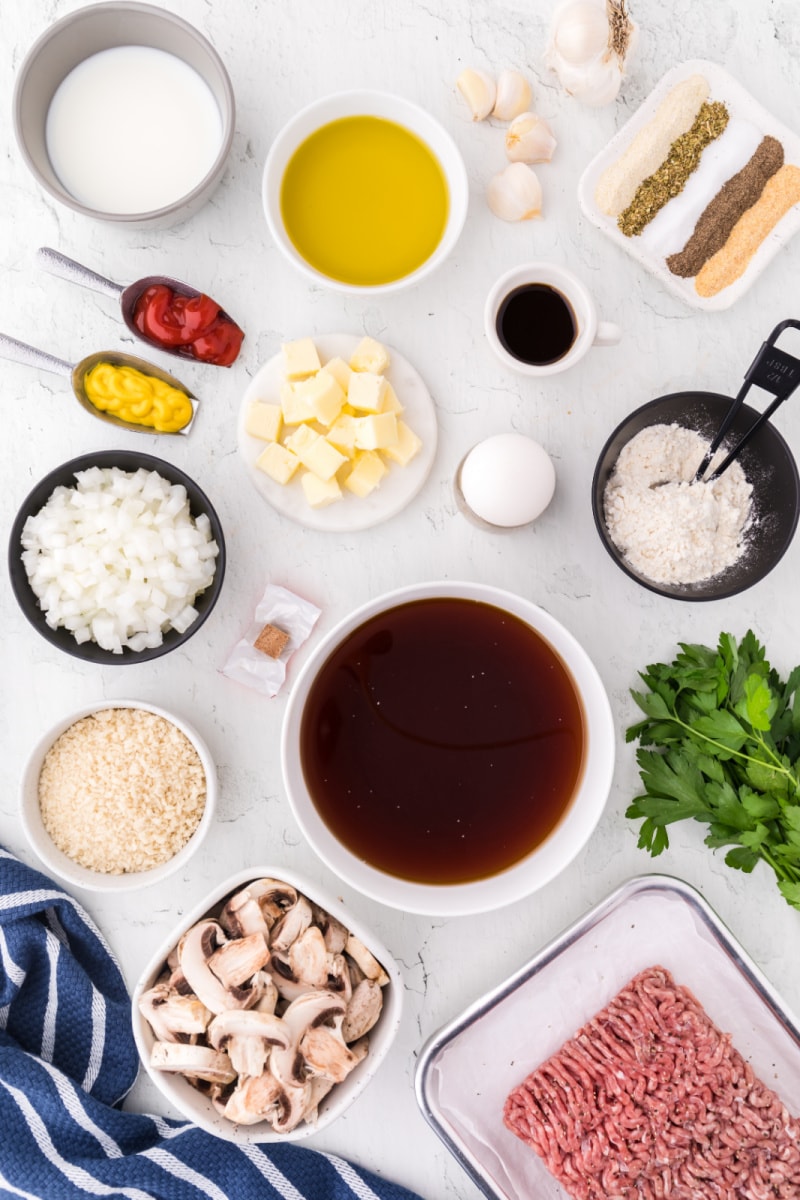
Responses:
[638,885]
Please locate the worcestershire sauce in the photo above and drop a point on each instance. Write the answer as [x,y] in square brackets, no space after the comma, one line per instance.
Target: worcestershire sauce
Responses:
[536,324]
[442,740]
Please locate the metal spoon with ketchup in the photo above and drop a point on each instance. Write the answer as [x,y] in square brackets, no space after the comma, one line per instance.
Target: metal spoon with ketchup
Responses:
[161,311]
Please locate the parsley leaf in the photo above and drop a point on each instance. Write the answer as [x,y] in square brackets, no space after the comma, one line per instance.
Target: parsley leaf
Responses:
[720,744]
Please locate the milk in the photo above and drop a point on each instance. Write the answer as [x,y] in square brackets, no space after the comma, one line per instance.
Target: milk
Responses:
[132,129]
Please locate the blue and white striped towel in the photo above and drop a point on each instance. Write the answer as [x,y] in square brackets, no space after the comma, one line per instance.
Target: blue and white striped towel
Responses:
[67,1059]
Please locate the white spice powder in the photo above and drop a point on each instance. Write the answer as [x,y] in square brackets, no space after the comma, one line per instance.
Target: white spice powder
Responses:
[670,529]
[121,790]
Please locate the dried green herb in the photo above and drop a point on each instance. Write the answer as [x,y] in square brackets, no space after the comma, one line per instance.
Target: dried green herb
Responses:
[670,178]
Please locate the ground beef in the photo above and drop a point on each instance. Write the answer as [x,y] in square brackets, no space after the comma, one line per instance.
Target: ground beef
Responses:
[650,1100]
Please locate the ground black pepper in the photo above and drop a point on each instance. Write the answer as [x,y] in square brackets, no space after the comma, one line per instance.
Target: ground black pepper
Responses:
[722,212]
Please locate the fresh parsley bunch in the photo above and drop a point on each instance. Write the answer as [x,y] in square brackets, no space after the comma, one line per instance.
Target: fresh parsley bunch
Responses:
[721,743]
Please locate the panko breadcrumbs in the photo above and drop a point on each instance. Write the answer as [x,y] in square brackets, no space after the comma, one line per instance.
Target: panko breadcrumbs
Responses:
[121,790]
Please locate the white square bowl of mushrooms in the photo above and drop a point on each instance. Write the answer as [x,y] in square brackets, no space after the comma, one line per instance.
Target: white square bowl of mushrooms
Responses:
[267,1012]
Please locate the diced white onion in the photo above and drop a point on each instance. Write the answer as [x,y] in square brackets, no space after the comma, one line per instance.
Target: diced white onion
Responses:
[118,559]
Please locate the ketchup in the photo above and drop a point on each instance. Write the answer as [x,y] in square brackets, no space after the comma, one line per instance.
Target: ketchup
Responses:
[195,325]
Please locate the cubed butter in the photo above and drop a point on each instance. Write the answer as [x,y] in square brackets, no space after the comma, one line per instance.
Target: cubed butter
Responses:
[407,445]
[368,470]
[264,421]
[340,371]
[294,408]
[319,492]
[390,403]
[370,355]
[314,452]
[342,433]
[323,395]
[300,358]
[366,391]
[277,462]
[376,432]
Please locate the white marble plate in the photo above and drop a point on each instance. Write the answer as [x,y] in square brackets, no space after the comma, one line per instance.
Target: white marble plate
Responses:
[740,104]
[397,488]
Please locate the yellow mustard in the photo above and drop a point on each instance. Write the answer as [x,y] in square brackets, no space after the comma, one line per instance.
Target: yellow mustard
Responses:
[141,399]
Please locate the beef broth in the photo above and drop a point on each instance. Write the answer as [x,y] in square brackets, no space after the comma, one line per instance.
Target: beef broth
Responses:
[442,740]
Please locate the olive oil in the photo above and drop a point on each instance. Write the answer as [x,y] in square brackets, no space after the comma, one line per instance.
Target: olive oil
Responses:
[442,740]
[364,201]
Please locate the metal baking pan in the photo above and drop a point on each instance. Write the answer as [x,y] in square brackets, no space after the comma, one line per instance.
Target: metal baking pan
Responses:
[468,1067]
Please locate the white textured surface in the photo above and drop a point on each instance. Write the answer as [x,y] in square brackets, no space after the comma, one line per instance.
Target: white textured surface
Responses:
[281,57]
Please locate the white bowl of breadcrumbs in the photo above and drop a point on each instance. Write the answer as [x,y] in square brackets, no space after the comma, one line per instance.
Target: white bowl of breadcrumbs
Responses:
[118,795]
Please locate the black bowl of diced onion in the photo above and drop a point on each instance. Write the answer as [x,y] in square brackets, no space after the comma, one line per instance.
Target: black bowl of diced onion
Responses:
[127,586]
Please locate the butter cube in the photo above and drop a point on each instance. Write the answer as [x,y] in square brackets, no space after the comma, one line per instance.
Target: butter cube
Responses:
[390,403]
[294,408]
[370,355]
[278,462]
[366,391]
[264,421]
[323,395]
[376,432]
[342,433]
[340,371]
[368,470]
[300,358]
[314,452]
[407,445]
[319,492]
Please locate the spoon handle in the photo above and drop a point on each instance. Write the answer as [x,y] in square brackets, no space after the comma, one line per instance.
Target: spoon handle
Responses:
[66,268]
[29,356]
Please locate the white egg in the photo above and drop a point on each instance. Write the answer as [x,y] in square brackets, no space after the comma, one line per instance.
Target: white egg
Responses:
[507,479]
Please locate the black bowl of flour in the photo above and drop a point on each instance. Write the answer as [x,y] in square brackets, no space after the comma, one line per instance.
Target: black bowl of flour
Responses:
[769,468]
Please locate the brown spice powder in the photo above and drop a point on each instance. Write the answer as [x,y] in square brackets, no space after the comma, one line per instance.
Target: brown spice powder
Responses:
[718,218]
[780,193]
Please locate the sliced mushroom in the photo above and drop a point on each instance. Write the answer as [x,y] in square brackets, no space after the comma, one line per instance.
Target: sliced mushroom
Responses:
[171,1015]
[326,1053]
[319,1086]
[363,1010]
[291,1108]
[248,1038]
[253,1100]
[239,960]
[309,958]
[268,1000]
[333,931]
[194,950]
[339,980]
[308,1011]
[200,1062]
[280,972]
[256,908]
[365,960]
[292,924]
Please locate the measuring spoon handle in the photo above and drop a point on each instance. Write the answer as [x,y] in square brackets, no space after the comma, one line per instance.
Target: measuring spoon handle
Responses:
[66,268]
[29,356]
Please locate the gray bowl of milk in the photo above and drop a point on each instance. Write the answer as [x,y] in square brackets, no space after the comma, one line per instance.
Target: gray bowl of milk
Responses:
[125,112]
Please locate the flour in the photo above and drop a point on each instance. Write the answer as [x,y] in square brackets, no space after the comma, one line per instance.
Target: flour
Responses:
[668,528]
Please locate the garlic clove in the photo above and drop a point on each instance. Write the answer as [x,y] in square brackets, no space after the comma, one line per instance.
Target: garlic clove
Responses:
[515,193]
[513,95]
[529,139]
[479,91]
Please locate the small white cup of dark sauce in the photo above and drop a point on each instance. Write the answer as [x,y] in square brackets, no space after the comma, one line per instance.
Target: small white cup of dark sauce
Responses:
[540,319]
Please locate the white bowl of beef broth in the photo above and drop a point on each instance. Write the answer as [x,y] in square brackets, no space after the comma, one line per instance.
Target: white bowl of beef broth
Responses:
[448,748]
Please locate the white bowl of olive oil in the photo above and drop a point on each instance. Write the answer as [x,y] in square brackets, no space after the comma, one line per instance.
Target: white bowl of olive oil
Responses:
[365,192]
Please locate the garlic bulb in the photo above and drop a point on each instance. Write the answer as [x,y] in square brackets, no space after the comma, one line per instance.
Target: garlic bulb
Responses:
[513,95]
[590,41]
[479,91]
[515,193]
[529,139]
